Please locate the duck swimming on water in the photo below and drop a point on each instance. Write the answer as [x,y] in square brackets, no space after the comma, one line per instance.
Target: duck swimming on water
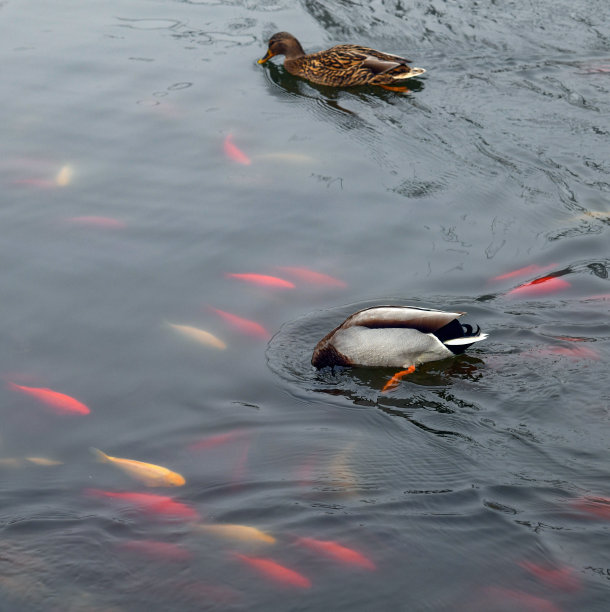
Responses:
[343,65]
[395,336]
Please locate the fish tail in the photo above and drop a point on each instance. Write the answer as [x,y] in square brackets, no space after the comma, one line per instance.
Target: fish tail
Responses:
[99,455]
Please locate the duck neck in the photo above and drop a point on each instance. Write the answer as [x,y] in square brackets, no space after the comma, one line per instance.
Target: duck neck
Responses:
[294,50]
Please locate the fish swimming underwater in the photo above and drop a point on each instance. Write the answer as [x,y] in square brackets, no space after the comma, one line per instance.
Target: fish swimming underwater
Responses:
[395,336]
[150,474]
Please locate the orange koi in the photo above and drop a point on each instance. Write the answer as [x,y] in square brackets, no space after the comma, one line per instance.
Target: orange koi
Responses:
[234,153]
[311,277]
[165,551]
[250,328]
[216,440]
[159,505]
[563,578]
[337,551]
[274,571]
[598,506]
[263,280]
[95,221]
[541,286]
[60,403]
[524,601]
[393,382]
[526,271]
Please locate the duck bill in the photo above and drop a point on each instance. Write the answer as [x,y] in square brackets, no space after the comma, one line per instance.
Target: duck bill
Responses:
[268,56]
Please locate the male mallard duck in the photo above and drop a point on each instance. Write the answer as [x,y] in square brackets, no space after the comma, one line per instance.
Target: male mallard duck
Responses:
[395,336]
[343,65]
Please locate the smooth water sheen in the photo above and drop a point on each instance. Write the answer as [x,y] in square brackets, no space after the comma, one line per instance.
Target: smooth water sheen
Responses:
[128,199]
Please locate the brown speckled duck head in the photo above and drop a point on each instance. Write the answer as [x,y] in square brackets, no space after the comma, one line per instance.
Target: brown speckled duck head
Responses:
[283,43]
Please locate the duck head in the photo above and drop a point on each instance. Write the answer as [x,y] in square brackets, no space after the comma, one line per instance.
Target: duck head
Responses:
[283,43]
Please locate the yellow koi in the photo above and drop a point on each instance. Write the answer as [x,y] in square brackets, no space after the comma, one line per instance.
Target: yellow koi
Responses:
[199,335]
[150,474]
[244,533]
[43,461]
[64,176]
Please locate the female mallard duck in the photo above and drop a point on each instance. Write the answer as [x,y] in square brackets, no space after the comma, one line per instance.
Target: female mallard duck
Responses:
[395,336]
[343,65]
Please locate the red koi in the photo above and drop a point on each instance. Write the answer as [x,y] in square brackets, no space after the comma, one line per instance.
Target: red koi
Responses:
[250,328]
[278,573]
[574,352]
[311,277]
[263,280]
[165,551]
[526,271]
[525,601]
[598,506]
[234,153]
[563,578]
[393,382]
[541,286]
[149,503]
[216,440]
[337,551]
[60,403]
[94,221]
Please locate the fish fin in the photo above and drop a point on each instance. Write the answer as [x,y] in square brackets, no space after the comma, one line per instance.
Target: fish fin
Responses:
[99,455]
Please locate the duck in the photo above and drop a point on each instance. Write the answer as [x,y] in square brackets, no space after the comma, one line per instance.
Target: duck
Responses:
[342,65]
[395,336]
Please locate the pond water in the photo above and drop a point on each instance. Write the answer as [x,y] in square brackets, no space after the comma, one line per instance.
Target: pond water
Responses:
[148,161]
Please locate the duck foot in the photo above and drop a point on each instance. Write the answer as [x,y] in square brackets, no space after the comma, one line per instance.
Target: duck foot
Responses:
[393,382]
[402,89]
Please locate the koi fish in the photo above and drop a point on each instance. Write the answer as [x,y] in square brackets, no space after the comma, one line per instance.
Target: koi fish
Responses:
[393,382]
[525,601]
[199,335]
[540,286]
[64,176]
[574,352]
[166,551]
[43,461]
[234,153]
[562,578]
[598,506]
[149,503]
[337,551]
[526,271]
[216,440]
[244,533]
[311,277]
[263,280]
[250,328]
[57,402]
[274,571]
[95,221]
[148,473]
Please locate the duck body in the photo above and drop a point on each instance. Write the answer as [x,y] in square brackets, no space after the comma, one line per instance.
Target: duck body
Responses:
[342,65]
[395,336]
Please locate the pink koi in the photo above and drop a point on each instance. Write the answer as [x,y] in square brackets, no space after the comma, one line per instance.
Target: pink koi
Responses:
[60,403]
[234,153]
[263,280]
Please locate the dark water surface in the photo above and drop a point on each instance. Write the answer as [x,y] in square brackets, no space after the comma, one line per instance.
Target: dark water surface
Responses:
[470,485]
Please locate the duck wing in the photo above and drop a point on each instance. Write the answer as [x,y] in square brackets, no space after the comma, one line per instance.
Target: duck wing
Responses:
[422,319]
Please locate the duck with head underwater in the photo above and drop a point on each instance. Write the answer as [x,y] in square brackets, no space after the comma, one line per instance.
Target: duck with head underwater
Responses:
[342,65]
[395,336]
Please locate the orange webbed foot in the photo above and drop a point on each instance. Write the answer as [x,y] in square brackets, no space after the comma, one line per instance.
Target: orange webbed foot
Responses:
[393,382]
